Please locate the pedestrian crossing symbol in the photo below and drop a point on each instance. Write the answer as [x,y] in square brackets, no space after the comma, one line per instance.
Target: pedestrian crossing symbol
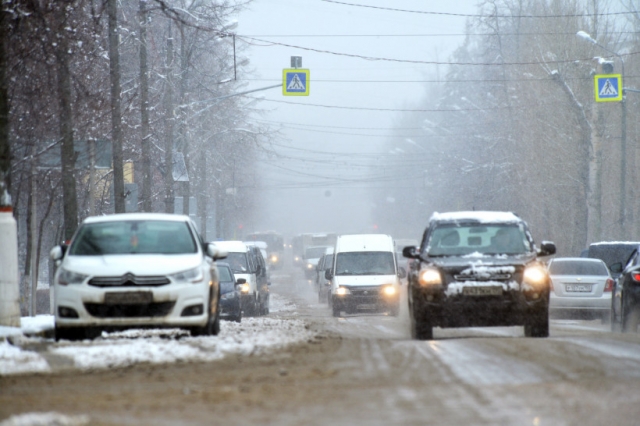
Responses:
[608,87]
[295,82]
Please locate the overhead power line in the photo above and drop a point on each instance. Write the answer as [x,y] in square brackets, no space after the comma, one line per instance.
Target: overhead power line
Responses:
[470,15]
[393,109]
[415,61]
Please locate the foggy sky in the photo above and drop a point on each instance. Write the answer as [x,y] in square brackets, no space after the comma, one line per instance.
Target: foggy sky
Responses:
[328,199]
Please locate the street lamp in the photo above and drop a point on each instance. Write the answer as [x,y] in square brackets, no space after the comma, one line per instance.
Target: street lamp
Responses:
[623,130]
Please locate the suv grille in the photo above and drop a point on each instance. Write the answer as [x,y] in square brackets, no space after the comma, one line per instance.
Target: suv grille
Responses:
[129,280]
[492,277]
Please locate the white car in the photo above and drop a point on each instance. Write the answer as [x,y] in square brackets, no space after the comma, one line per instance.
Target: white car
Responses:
[254,295]
[580,287]
[136,270]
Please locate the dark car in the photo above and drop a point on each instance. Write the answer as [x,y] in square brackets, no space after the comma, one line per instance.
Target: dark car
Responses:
[230,309]
[625,300]
[616,254]
[323,286]
[478,269]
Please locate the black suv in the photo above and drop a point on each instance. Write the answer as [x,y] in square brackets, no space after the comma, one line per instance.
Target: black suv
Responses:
[477,269]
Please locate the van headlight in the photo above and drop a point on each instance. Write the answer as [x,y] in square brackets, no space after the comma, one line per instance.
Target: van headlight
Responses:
[244,288]
[535,276]
[194,275]
[69,277]
[341,291]
[429,276]
[389,290]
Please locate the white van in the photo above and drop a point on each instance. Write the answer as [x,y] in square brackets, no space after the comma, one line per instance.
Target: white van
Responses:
[365,275]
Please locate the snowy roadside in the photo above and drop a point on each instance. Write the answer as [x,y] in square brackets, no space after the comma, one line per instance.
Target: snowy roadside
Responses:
[251,336]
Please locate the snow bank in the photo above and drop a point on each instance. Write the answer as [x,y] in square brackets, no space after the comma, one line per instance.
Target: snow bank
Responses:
[159,346]
[45,419]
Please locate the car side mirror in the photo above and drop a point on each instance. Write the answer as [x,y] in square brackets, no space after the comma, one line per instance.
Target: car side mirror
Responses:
[56,253]
[402,273]
[616,268]
[410,252]
[547,248]
[327,274]
[241,281]
[214,252]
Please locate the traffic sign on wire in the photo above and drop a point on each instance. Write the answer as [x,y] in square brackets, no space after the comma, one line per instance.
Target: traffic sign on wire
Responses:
[295,82]
[608,87]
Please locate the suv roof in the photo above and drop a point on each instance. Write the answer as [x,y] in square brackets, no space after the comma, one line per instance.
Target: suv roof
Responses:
[478,216]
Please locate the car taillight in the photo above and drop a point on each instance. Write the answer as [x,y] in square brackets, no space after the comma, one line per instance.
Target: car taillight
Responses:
[609,285]
[636,276]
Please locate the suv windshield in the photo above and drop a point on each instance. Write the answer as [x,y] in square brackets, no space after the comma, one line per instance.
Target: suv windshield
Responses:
[365,263]
[238,262]
[490,239]
[134,237]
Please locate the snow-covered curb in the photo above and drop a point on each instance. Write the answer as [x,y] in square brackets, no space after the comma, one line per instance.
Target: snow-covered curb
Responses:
[251,336]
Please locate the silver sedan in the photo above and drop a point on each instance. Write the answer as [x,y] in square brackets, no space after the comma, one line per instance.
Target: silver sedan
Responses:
[581,287]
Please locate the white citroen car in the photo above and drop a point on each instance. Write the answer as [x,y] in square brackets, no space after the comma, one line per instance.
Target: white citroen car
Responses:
[136,270]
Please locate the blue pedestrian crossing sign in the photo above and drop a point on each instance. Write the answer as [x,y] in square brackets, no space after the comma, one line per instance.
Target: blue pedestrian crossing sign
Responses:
[608,87]
[295,82]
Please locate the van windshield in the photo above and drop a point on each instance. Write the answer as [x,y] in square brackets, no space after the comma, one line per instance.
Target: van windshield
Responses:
[365,263]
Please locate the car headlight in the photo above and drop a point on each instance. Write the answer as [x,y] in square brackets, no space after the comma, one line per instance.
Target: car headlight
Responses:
[228,296]
[535,276]
[69,277]
[341,291]
[194,275]
[429,276]
[309,266]
[244,288]
[274,258]
[389,290]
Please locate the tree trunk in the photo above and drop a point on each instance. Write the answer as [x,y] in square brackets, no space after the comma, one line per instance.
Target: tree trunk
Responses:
[144,111]
[67,151]
[169,122]
[116,119]
[5,152]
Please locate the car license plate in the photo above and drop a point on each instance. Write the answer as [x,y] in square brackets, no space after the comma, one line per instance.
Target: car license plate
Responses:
[578,288]
[482,291]
[366,306]
[128,297]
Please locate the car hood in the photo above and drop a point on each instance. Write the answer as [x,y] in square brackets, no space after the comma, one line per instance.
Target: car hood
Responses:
[483,267]
[139,264]
[364,280]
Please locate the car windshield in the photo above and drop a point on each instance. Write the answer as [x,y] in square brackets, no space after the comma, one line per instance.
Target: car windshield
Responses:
[314,252]
[365,263]
[577,267]
[238,262]
[489,239]
[134,237]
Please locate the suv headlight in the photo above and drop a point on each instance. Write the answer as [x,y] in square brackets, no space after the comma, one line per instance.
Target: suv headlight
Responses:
[535,275]
[429,276]
[194,275]
[69,277]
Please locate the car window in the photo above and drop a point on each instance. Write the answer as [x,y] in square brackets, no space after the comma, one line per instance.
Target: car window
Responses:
[463,239]
[134,237]
[575,267]
[365,263]
[314,252]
